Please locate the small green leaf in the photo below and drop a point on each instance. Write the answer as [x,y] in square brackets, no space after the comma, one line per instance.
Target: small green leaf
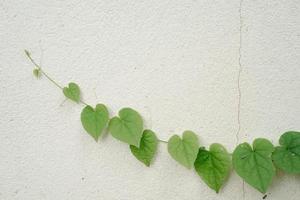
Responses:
[37,72]
[147,149]
[128,127]
[72,92]
[287,156]
[255,165]
[184,150]
[94,120]
[213,166]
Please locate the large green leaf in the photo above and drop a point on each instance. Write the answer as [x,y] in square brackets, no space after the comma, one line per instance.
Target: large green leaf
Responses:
[255,165]
[287,156]
[147,149]
[184,150]
[213,166]
[128,127]
[94,120]
[72,92]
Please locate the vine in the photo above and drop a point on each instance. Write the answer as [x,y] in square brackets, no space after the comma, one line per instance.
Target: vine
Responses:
[255,164]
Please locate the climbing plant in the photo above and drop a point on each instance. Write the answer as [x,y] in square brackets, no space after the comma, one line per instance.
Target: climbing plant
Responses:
[256,164]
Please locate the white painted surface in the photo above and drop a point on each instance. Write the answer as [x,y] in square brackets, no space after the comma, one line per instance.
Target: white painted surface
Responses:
[176,62]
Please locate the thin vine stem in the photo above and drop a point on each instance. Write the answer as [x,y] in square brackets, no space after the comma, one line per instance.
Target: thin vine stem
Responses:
[162,141]
[41,70]
[27,53]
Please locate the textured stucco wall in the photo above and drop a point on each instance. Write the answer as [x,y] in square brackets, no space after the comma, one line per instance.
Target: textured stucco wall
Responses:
[176,62]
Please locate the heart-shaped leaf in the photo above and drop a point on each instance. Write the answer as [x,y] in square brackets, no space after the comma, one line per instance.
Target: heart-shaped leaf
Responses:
[128,127]
[255,165]
[213,166]
[94,120]
[147,149]
[184,150]
[72,92]
[287,156]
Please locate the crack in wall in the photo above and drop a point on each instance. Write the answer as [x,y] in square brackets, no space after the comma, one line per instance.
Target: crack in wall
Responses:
[239,75]
[240,69]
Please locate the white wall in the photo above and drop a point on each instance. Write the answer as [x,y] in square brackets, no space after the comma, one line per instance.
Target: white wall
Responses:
[176,62]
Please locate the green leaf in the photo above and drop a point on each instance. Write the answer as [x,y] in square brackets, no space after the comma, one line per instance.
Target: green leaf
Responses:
[184,150]
[37,73]
[255,165]
[128,127]
[213,166]
[287,156]
[72,92]
[147,148]
[94,120]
